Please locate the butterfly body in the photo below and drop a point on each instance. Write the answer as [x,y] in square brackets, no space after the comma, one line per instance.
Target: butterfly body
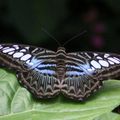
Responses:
[46,73]
[60,60]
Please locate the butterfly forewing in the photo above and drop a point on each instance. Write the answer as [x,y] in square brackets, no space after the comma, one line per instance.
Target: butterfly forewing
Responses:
[106,65]
[35,68]
[85,72]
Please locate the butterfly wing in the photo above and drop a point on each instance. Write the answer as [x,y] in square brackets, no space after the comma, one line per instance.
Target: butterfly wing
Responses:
[85,72]
[35,68]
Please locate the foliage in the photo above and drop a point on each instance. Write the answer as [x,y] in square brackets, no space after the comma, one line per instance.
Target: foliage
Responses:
[16,103]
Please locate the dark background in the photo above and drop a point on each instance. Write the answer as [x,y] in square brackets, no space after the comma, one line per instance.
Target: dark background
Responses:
[21,22]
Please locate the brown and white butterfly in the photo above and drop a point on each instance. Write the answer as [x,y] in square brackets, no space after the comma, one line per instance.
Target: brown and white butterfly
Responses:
[46,73]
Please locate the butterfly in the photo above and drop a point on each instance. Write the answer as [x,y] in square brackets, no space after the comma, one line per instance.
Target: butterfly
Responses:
[46,73]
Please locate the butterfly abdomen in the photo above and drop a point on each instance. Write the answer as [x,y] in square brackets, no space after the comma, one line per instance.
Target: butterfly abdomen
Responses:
[60,58]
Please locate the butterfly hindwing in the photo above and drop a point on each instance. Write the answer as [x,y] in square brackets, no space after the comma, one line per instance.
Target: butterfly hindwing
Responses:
[35,68]
[85,72]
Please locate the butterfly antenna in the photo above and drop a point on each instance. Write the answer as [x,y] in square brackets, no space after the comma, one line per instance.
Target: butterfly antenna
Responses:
[51,36]
[76,36]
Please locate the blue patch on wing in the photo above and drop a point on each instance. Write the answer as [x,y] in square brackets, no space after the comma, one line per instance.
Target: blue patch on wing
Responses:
[82,69]
[46,65]
[39,66]
[74,73]
[33,63]
[50,72]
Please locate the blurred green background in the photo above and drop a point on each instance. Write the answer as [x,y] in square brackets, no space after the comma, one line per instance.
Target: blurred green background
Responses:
[21,22]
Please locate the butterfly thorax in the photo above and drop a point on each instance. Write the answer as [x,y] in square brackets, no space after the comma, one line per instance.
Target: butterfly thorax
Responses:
[60,59]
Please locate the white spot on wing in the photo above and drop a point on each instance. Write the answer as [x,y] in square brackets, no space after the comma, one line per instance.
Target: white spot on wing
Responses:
[27,48]
[28,61]
[18,55]
[117,58]
[16,47]
[10,53]
[114,60]
[106,55]
[8,50]
[25,57]
[23,50]
[95,54]
[98,57]
[1,46]
[95,64]
[93,68]
[104,63]
[111,62]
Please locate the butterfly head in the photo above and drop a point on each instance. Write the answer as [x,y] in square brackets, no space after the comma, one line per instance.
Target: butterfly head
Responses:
[61,49]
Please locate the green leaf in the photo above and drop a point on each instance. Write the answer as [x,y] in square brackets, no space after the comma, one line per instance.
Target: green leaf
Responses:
[108,116]
[16,103]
